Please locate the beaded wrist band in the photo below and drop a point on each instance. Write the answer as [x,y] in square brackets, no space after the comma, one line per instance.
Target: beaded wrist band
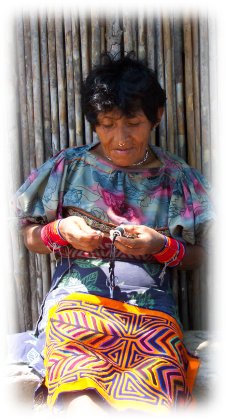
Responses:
[172,253]
[51,236]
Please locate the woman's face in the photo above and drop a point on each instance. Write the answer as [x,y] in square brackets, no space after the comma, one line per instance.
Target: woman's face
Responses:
[123,139]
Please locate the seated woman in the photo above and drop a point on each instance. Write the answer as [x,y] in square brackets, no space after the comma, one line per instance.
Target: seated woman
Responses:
[108,330]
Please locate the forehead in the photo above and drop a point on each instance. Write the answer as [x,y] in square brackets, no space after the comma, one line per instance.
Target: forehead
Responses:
[117,114]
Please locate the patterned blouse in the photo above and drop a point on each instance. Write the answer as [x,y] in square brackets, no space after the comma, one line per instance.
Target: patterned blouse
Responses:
[172,198]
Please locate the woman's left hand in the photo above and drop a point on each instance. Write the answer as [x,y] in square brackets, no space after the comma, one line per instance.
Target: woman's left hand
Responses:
[147,240]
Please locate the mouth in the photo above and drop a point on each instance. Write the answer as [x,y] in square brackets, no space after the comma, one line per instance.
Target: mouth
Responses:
[123,150]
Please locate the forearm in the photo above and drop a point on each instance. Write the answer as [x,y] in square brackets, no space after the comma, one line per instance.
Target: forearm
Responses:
[195,255]
[147,241]
[33,241]
[73,231]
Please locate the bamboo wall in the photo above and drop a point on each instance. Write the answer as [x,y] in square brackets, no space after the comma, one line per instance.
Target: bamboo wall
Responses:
[53,55]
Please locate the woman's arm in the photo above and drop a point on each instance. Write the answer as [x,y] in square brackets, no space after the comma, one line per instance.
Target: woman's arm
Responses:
[32,239]
[73,229]
[149,241]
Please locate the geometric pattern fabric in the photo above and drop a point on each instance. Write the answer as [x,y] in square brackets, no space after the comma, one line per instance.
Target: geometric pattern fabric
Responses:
[134,358]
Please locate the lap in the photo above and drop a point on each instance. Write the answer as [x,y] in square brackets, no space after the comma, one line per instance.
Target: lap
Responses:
[133,358]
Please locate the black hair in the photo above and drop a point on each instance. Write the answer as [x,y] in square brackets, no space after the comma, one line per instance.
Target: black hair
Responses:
[125,84]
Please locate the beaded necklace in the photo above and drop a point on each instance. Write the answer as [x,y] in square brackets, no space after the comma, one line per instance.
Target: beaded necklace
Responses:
[146,156]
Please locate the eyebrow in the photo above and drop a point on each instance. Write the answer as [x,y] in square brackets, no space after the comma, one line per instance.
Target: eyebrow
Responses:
[127,116]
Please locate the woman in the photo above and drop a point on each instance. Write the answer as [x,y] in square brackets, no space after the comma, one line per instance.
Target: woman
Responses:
[109,323]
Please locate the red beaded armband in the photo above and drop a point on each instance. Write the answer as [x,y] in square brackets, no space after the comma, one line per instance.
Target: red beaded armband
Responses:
[172,253]
[51,236]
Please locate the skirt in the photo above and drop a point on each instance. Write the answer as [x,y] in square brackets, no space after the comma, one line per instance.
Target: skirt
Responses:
[132,357]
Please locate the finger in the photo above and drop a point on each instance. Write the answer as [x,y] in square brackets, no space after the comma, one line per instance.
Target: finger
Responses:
[134,243]
[78,238]
[129,230]
[131,251]
[132,229]
[80,235]
[86,242]
[82,225]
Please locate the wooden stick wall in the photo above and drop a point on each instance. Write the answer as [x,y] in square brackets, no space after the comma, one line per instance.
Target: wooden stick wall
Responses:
[54,54]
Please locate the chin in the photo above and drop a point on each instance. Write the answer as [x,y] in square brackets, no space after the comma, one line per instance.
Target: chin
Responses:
[122,162]
[123,158]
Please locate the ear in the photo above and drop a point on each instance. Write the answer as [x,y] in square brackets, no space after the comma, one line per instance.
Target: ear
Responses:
[160,114]
[159,117]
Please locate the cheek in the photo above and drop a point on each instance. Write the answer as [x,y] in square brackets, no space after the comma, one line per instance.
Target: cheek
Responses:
[104,137]
[142,137]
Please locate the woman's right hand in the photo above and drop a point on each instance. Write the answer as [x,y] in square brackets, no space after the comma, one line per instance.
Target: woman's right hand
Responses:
[75,230]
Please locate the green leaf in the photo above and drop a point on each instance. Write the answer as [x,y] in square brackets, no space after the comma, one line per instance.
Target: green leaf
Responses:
[84,263]
[90,281]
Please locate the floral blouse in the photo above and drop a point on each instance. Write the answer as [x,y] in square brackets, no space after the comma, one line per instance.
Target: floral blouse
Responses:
[172,198]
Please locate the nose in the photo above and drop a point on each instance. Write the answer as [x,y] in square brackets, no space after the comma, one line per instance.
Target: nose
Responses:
[122,134]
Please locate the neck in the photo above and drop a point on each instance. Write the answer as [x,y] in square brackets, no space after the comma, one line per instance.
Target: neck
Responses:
[145,158]
[152,160]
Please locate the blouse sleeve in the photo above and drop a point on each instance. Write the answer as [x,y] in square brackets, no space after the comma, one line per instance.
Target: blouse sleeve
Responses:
[191,212]
[39,199]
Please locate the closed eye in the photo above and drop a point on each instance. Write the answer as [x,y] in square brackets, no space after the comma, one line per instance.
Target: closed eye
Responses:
[133,123]
[107,125]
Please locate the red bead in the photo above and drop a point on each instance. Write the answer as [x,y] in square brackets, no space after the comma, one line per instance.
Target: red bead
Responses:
[51,237]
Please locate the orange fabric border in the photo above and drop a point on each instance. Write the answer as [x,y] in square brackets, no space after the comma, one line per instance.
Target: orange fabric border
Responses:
[193,362]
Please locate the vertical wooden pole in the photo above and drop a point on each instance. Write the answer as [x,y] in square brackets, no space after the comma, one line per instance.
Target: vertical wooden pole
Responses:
[19,253]
[23,98]
[204,97]
[128,35]
[95,47]
[168,83]
[189,99]
[30,161]
[179,88]
[95,39]
[151,56]
[195,298]
[205,145]
[61,81]
[47,136]
[114,36]
[10,315]
[53,84]
[196,90]
[38,129]
[46,275]
[85,66]
[183,299]
[213,93]
[141,37]
[77,80]
[70,80]
[102,35]
[33,287]
[37,97]
[161,77]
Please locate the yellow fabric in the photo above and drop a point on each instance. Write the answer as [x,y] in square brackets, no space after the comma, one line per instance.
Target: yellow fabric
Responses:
[134,358]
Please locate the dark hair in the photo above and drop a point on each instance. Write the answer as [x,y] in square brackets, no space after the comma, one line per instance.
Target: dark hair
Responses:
[125,84]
